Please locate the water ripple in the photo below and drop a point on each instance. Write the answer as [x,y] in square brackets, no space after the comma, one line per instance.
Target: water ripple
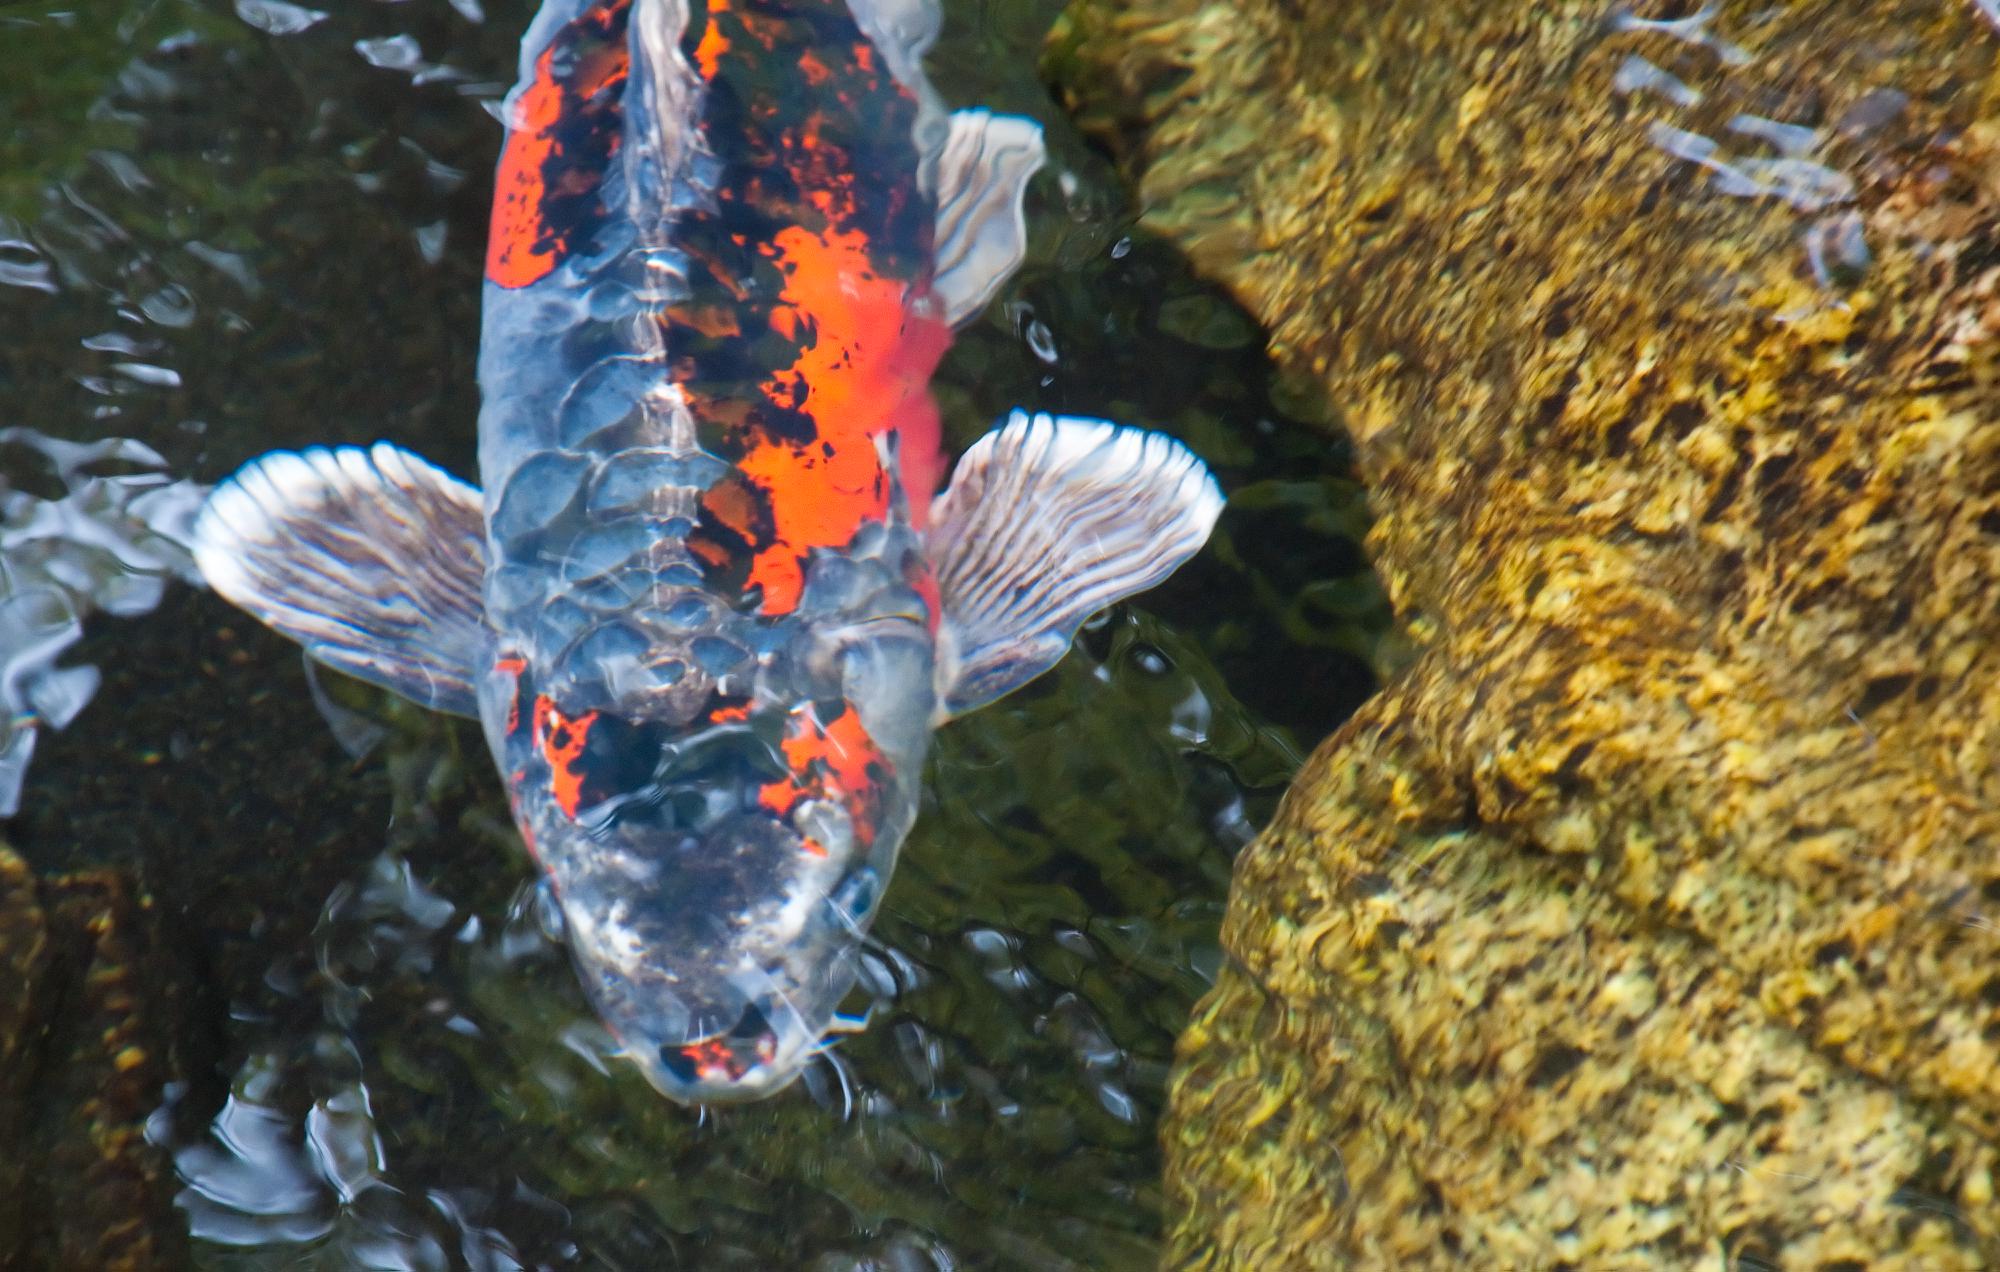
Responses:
[274,17]
[1767,159]
[110,543]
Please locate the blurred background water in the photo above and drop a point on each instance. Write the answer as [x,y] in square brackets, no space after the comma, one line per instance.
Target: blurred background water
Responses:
[226,227]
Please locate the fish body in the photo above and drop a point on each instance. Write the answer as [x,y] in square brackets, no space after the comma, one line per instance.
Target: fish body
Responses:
[704,603]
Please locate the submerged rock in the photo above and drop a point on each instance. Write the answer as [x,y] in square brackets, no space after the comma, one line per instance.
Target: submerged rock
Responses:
[79,1074]
[1651,916]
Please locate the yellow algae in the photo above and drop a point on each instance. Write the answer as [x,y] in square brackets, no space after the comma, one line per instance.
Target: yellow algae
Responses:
[1697,535]
[83,1188]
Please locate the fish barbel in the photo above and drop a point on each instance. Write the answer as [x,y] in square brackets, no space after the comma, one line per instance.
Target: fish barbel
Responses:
[704,603]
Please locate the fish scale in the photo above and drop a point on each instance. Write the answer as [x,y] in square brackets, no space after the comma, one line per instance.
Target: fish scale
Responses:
[698,306]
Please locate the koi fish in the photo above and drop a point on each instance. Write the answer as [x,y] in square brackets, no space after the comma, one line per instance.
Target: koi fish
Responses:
[706,606]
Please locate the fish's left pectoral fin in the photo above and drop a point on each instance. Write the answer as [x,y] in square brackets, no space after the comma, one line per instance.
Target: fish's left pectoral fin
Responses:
[1048,520]
[982,233]
[373,559]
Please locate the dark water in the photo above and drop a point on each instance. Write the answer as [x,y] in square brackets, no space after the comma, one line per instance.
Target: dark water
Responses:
[224,234]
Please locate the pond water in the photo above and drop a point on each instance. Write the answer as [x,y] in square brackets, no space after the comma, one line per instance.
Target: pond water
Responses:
[227,227]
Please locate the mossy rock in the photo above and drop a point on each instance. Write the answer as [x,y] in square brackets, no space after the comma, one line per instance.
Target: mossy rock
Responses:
[1651,916]
[79,1074]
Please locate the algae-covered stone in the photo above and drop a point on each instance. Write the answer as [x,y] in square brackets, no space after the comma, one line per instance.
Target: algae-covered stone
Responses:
[1652,915]
[79,1074]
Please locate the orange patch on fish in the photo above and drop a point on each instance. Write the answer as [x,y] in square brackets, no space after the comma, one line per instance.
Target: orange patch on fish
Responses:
[829,762]
[865,372]
[527,237]
[716,1058]
[710,1059]
[561,741]
[513,666]
[515,254]
[924,580]
[708,53]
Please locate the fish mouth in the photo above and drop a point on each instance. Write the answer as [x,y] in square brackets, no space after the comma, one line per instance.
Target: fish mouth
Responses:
[748,1061]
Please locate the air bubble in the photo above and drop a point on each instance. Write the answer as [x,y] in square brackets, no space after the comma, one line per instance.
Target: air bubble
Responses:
[1041,340]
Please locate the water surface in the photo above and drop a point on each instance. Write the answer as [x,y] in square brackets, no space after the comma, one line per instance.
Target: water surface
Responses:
[230,227]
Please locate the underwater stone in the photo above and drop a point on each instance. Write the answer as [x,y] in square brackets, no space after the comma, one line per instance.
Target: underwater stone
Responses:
[80,1071]
[1649,916]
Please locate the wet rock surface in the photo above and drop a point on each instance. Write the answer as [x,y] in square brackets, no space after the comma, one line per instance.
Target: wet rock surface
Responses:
[81,1069]
[1650,916]
[231,225]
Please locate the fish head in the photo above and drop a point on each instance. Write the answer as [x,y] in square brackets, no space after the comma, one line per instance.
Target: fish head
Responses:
[716,881]
[718,957]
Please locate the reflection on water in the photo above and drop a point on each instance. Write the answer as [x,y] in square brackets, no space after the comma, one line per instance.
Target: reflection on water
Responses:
[111,542]
[1748,155]
[1693,29]
[267,231]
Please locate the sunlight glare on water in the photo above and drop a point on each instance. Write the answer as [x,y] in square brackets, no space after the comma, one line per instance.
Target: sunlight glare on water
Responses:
[111,543]
[1696,86]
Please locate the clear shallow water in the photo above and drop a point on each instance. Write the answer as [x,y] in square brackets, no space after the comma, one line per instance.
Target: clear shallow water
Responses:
[229,227]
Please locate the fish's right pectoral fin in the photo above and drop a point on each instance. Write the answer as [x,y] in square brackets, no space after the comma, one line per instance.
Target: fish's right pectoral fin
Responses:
[1049,519]
[981,231]
[373,559]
